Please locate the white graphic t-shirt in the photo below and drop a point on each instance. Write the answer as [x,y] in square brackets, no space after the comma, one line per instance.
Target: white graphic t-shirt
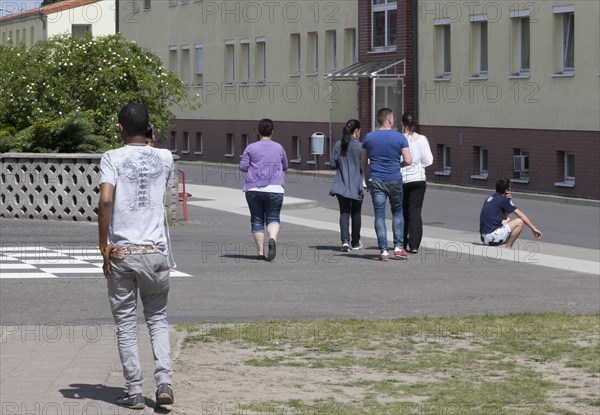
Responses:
[139,176]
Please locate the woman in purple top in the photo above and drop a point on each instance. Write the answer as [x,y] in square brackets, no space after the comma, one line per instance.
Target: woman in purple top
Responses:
[264,163]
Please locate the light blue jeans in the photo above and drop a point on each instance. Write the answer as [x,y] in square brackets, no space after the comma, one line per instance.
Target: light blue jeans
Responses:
[150,275]
[380,191]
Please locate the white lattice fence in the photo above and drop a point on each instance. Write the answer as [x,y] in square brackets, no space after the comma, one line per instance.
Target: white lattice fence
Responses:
[55,186]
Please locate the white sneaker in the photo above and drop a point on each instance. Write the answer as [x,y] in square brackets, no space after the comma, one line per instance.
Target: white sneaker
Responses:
[345,247]
[357,247]
[384,256]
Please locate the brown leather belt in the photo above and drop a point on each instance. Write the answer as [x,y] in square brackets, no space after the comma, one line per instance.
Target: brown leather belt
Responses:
[119,252]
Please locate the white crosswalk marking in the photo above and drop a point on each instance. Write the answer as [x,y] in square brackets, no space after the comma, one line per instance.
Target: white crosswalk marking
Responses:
[27,262]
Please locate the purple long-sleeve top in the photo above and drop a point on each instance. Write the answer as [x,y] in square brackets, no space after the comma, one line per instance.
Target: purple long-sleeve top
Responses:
[264,163]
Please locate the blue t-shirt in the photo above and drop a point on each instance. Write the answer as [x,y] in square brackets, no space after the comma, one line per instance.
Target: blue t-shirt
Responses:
[384,148]
[492,212]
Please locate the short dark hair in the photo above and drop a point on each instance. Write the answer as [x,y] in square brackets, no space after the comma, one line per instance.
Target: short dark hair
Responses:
[502,185]
[383,114]
[265,127]
[134,119]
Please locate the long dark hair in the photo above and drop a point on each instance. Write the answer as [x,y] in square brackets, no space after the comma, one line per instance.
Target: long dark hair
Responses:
[349,129]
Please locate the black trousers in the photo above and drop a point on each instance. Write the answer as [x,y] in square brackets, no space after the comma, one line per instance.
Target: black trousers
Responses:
[412,204]
[350,209]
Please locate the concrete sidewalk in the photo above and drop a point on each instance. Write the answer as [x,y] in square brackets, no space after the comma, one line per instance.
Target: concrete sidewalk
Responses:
[69,369]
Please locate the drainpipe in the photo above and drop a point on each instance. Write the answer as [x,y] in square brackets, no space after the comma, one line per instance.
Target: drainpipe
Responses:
[44,19]
[415,57]
[116,16]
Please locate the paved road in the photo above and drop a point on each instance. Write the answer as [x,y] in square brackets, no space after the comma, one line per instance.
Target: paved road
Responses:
[310,278]
[562,221]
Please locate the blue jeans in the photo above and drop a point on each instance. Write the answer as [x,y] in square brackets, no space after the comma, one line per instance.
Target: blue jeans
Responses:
[381,190]
[264,209]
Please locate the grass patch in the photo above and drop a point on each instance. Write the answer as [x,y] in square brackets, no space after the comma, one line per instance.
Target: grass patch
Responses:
[475,364]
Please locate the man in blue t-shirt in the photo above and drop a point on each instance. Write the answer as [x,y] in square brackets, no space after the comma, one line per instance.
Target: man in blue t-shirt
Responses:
[384,151]
[495,226]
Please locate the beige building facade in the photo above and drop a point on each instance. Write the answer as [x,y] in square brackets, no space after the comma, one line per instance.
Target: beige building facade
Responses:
[512,89]
[76,17]
[247,60]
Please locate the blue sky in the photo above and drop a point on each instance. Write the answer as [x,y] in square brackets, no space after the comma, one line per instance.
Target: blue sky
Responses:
[11,6]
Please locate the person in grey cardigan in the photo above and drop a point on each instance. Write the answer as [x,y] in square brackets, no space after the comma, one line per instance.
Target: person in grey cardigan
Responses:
[348,186]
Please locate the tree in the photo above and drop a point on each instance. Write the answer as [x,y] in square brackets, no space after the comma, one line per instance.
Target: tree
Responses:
[67,83]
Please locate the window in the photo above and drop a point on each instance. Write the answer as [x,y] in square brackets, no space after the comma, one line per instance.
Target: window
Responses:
[78,30]
[185,65]
[173,58]
[521,166]
[566,162]
[147,4]
[442,50]
[31,36]
[295,66]
[445,155]
[173,141]
[481,155]
[296,150]
[199,65]
[229,62]
[172,3]
[564,40]
[245,142]
[479,46]
[261,59]
[230,146]
[18,37]
[245,61]
[199,149]
[3,38]
[331,50]
[520,43]
[350,50]
[23,36]
[384,24]
[185,146]
[312,54]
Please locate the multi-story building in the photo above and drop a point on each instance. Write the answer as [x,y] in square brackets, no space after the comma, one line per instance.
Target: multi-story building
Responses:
[77,17]
[512,89]
[250,60]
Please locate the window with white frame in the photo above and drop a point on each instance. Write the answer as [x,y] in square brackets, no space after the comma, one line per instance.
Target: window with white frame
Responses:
[331,50]
[185,65]
[350,49]
[384,24]
[229,61]
[31,36]
[564,34]
[481,155]
[229,145]
[521,166]
[295,54]
[185,144]
[442,49]
[245,61]
[520,43]
[445,156]
[312,54]
[245,143]
[569,167]
[172,3]
[173,142]
[173,58]
[199,148]
[479,46]
[296,150]
[147,4]
[566,162]
[199,78]
[261,59]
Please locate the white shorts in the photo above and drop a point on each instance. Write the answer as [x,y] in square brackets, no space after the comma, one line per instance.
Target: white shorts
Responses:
[498,237]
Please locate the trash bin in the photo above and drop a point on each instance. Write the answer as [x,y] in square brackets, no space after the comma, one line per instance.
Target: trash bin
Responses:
[317,144]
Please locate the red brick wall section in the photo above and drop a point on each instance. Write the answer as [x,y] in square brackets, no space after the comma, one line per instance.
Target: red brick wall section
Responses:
[403,51]
[546,149]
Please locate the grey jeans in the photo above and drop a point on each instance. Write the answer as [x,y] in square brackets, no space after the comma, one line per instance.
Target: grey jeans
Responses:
[150,275]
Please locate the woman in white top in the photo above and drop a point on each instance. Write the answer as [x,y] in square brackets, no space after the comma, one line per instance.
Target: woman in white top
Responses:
[414,185]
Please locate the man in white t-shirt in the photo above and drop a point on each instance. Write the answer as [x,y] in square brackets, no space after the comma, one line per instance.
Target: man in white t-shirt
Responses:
[134,247]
